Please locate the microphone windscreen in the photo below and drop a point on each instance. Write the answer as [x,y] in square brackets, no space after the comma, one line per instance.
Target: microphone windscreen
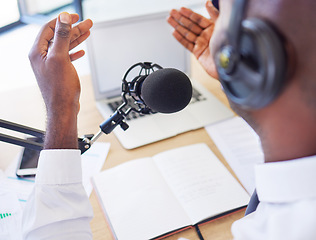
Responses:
[166,90]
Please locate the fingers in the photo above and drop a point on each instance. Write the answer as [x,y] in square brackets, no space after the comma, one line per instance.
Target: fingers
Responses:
[42,41]
[45,38]
[190,36]
[198,19]
[80,33]
[74,18]
[184,42]
[76,55]
[50,26]
[178,19]
[188,26]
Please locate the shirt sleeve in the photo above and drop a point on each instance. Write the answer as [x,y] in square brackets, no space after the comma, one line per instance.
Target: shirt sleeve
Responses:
[58,207]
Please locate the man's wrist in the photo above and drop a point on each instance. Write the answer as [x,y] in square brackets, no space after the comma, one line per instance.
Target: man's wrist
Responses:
[61,130]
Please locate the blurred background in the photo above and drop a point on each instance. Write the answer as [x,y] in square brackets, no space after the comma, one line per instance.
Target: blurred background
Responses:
[20,21]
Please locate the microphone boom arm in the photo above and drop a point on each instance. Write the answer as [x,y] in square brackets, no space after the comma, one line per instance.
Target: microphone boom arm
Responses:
[37,143]
[128,89]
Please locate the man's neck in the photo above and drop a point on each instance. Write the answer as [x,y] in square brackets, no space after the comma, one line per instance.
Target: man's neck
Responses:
[288,137]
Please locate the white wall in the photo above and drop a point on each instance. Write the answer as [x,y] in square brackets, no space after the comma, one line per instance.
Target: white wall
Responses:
[102,10]
[41,6]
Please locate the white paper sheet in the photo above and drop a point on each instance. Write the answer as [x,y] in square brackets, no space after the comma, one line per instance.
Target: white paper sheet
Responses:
[10,215]
[201,183]
[92,162]
[240,146]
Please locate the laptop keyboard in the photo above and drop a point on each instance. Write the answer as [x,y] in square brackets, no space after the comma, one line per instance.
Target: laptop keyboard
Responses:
[196,97]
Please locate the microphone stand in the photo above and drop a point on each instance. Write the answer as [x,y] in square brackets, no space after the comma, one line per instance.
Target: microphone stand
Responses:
[117,118]
[37,142]
[132,90]
[129,88]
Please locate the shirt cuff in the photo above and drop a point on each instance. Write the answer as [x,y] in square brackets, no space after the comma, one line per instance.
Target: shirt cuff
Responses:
[59,166]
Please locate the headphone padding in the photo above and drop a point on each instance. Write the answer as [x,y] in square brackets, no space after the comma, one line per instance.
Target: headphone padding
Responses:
[260,72]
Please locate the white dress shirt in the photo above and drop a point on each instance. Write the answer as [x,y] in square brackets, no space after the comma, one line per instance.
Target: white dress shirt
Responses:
[287,208]
[58,207]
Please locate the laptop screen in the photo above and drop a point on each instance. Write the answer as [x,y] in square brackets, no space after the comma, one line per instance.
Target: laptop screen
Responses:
[114,46]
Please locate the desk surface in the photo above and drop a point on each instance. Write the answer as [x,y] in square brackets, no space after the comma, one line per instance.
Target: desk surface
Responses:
[25,106]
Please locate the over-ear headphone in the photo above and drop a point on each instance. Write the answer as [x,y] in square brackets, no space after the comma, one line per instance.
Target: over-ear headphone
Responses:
[251,61]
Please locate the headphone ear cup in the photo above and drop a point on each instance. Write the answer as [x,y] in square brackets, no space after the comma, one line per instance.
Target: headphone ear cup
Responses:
[259,73]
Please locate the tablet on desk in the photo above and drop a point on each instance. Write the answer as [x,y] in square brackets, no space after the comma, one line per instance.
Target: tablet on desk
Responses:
[28,160]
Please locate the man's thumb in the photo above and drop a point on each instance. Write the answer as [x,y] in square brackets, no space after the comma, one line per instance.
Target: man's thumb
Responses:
[212,10]
[62,32]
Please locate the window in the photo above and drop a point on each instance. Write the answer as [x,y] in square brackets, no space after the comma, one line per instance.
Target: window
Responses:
[15,12]
[43,10]
[9,13]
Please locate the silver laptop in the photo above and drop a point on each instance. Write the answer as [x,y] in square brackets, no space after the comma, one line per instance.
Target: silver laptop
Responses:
[114,46]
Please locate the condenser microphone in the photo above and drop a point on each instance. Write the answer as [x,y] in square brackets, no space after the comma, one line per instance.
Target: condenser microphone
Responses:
[155,89]
[167,90]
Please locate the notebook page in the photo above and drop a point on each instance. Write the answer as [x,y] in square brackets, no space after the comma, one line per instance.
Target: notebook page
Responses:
[200,182]
[138,202]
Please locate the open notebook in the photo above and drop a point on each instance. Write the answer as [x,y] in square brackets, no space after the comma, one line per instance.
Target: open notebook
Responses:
[114,46]
[150,197]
